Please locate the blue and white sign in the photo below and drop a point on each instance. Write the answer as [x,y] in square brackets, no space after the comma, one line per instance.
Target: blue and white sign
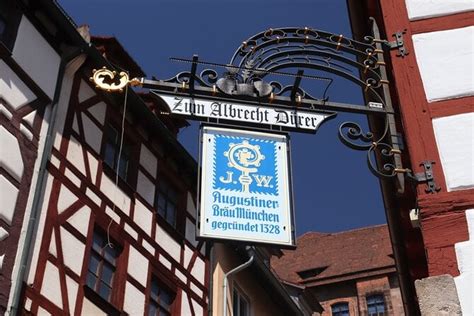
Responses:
[245,191]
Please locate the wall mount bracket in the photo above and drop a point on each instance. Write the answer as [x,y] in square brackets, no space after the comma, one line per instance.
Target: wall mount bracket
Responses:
[427,176]
[398,43]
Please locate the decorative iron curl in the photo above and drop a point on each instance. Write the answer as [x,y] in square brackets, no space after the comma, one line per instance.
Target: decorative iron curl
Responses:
[280,90]
[388,169]
[206,78]
[352,135]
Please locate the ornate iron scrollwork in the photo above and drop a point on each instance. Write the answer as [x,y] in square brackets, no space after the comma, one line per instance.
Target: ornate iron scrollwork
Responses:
[252,68]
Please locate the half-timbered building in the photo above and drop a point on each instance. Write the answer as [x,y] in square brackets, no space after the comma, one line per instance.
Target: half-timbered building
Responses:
[98,197]
[430,69]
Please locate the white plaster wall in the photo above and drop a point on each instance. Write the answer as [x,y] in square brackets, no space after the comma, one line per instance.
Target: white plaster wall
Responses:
[180,276]
[115,194]
[455,139]
[185,308]
[66,198]
[51,287]
[98,112]
[8,196]
[445,60]
[168,243]
[10,154]
[190,207]
[422,9]
[134,302]
[89,308]
[188,253]
[72,287]
[93,166]
[148,160]
[75,155]
[145,188]
[12,89]
[92,133]
[29,118]
[80,220]
[199,270]
[85,92]
[148,246]
[143,217]
[465,257]
[43,68]
[39,234]
[72,177]
[73,251]
[198,310]
[138,266]
[52,245]
[165,262]
[190,232]
[43,312]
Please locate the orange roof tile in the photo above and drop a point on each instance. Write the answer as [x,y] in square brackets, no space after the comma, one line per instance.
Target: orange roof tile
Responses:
[340,253]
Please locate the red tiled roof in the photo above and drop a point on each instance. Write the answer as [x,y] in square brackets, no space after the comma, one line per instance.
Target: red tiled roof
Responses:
[342,253]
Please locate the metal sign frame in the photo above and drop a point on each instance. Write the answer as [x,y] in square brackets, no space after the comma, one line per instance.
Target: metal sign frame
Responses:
[261,231]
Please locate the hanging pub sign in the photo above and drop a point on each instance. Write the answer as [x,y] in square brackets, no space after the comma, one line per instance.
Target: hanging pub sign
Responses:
[288,118]
[245,187]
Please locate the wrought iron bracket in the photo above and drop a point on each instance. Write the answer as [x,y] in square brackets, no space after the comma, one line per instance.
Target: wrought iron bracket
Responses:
[398,43]
[251,75]
[427,176]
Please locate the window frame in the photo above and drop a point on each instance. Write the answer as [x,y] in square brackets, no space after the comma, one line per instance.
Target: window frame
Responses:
[338,305]
[129,184]
[241,296]
[164,286]
[166,173]
[161,178]
[376,304]
[113,305]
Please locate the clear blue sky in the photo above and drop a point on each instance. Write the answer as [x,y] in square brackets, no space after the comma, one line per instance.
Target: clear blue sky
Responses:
[333,187]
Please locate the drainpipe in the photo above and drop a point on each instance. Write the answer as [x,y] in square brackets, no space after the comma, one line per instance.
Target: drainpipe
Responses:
[233,271]
[211,281]
[66,61]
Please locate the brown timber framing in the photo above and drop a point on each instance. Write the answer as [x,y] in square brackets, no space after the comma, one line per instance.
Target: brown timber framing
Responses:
[29,152]
[55,221]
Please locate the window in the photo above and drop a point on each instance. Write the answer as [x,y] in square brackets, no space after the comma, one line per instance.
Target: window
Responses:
[10,17]
[111,153]
[102,266]
[240,304]
[166,201]
[161,300]
[376,305]
[311,273]
[340,309]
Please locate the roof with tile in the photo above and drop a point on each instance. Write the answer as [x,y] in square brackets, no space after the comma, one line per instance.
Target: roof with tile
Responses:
[320,256]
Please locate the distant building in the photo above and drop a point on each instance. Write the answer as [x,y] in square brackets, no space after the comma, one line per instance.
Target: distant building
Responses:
[254,290]
[349,273]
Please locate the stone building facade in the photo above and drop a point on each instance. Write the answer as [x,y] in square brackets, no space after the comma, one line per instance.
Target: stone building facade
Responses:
[349,273]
